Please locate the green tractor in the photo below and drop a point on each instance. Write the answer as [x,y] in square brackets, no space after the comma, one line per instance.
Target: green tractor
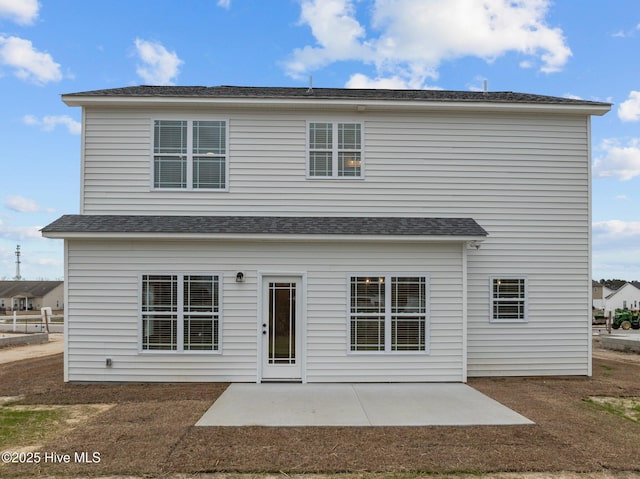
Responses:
[626,319]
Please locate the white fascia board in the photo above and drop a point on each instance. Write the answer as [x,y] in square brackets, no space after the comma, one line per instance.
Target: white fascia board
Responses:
[261,237]
[360,105]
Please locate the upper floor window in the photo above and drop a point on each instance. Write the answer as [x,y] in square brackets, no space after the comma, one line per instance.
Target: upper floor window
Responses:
[190,154]
[334,150]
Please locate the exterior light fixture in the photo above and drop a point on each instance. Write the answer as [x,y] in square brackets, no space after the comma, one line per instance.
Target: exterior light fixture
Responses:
[240,277]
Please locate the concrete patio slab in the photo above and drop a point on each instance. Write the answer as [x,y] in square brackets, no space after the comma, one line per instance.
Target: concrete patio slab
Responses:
[406,404]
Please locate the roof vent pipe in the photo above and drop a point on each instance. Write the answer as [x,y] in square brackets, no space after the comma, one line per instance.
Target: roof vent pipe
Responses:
[310,89]
[485,90]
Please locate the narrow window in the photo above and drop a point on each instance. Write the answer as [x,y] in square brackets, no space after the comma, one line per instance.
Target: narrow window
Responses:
[320,149]
[201,313]
[209,154]
[408,313]
[159,312]
[508,299]
[170,154]
[367,313]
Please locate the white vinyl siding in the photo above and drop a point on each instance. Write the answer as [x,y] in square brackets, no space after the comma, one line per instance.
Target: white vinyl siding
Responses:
[523,177]
[102,315]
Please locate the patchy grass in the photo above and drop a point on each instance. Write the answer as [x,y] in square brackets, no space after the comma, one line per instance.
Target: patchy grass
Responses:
[626,407]
[26,427]
[19,427]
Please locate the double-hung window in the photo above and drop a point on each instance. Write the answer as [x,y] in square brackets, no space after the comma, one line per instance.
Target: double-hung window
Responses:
[190,154]
[508,299]
[388,313]
[180,312]
[334,150]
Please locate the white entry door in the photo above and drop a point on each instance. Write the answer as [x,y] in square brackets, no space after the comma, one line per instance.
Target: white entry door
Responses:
[281,328]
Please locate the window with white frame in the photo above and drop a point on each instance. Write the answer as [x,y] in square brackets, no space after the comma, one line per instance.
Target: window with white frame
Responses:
[508,299]
[190,154]
[388,313]
[334,150]
[180,312]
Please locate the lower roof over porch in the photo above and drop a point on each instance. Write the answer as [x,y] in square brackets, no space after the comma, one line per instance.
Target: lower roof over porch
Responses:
[266,227]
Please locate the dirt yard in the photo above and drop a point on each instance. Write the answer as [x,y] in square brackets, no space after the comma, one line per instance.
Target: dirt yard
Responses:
[149,431]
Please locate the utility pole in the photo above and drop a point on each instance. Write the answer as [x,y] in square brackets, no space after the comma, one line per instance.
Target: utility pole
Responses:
[18,276]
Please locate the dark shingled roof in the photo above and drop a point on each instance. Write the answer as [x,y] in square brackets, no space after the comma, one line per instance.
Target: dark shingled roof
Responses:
[230,92]
[305,225]
[30,289]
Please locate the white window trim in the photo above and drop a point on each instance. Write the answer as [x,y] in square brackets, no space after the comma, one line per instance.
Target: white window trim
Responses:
[526,299]
[388,351]
[334,151]
[180,330]
[189,155]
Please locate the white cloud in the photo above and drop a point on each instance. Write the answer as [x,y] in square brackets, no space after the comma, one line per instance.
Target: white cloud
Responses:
[619,161]
[629,110]
[615,249]
[395,82]
[626,33]
[23,12]
[159,66]
[28,63]
[338,33]
[19,233]
[224,4]
[416,36]
[47,262]
[616,230]
[49,123]
[25,205]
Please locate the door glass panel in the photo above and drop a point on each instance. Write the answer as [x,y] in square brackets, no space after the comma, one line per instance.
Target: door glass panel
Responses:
[282,323]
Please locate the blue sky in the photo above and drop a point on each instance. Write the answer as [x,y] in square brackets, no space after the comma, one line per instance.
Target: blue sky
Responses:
[579,49]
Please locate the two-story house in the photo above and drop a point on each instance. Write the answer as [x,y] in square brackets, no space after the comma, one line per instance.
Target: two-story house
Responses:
[327,235]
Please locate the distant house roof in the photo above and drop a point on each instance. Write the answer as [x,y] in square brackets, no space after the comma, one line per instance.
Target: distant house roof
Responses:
[238,92]
[266,225]
[31,289]
[633,284]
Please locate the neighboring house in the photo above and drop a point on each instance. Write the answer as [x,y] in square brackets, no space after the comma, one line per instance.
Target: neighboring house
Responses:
[625,297]
[327,235]
[598,294]
[31,295]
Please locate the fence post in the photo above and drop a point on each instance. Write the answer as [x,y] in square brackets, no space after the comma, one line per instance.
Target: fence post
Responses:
[15,319]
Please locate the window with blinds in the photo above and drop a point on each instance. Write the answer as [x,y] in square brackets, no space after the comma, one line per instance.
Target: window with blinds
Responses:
[388,313]
[334,150]
[408,313]
[180,312]
[367,313]
[190,154]
[159,312]
[508,299]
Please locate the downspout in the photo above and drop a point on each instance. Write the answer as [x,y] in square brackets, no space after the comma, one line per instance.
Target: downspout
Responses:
[464,312]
